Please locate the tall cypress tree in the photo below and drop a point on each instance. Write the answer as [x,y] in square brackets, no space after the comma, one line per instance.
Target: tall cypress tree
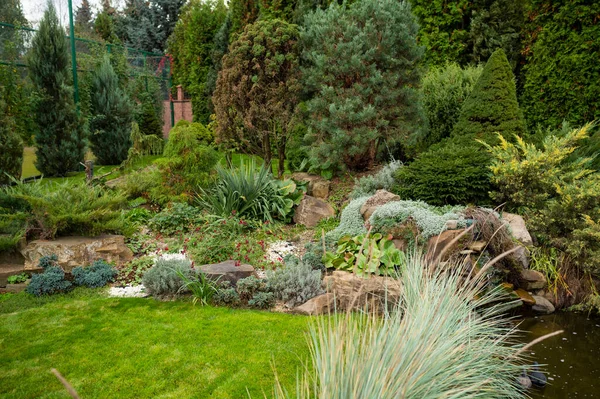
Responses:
[110,123]
[60,140]
[83,19]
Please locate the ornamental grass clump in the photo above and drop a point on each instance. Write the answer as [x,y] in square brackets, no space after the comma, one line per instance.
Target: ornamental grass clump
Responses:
[446,338]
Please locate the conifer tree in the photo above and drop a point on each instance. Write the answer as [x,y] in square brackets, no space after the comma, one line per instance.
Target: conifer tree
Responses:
[110,123]
[83,19]
[492,106]
[220,48]
[148,119]
[497,24]
[243,12]
[364,68]
[11,146]
[60,140]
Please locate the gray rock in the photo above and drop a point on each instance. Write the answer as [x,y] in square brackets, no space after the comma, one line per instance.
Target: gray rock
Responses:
[321,304]
[311,210]
[521,257]
[532,280]
[227,271]
[518,228]
[542,305]
[320,189]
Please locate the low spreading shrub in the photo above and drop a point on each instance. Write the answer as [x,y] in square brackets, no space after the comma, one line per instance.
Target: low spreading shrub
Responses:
[163,279]
[226,296]
[351,221]
[251,193]
[559,195]
[429,220]
[249,286]
[295,283]
[55,209]
[51,281]
[450,172]
[384,179]
[97,275]
[262,300]
[176,218]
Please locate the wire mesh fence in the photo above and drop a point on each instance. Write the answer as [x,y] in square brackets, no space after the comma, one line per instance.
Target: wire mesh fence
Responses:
[141,70]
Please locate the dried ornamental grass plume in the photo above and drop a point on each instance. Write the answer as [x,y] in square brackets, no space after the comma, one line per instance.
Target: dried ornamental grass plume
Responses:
[446,338]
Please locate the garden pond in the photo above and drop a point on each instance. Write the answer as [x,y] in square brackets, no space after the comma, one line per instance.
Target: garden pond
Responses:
[571,360]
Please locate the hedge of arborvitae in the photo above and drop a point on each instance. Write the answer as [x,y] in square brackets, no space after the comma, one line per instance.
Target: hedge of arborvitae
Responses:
[11,147]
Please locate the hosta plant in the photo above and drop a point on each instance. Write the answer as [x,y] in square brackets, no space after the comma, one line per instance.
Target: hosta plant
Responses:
[364,255]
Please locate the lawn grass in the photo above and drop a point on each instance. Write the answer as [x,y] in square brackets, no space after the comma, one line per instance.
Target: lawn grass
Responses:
[143,348]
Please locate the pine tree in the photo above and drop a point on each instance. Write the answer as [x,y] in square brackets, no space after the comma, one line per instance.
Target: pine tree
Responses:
[11,146]
[363,66]
[110,123]
[497,24]
[492,106]
[83,19]
[60,140]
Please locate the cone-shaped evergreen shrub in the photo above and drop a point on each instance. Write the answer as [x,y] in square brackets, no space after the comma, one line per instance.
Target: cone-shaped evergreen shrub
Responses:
[455,171]
[110,123]
[492,106]
[60,140]
[148,120]
[11,147]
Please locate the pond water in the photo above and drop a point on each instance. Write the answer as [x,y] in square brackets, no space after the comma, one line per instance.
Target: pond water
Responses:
[571,360]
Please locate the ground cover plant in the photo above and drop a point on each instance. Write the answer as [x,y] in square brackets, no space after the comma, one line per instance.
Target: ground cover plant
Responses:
[142,342]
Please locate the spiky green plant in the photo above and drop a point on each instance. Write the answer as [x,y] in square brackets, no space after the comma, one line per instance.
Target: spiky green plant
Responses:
[250,192]
[445,339]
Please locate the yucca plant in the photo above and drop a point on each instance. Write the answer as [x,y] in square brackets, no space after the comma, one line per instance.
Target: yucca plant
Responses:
[250,192]
[447,338]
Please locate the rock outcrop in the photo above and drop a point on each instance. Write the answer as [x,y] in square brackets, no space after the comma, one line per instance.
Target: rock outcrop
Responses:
[311,210]
[359,293]
[381,197]
[517,228]
[542,305]
[321,304]
[532,280]
[78,251]
[316,186]
[229,270]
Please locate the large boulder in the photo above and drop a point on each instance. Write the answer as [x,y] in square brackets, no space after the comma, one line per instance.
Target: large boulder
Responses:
[316,186]
[439,243]
[230,270]
[532,280]
[542,305]
[353,292]
[517,228]
[78,251]
[321,304]
[381,197]
[311,210]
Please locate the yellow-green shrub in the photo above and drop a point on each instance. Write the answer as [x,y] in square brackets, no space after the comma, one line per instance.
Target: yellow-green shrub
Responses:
[559,195]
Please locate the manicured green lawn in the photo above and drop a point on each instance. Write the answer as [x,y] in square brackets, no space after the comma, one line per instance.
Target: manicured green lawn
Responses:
[143,348]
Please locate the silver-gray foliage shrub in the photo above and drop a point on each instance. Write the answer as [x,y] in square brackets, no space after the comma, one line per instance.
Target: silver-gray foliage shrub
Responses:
[162,279]
[351,221]
[295,283]
[431,220]
[384,179]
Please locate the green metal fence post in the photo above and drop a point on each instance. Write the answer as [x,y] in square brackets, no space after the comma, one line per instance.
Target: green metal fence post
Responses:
[73,55]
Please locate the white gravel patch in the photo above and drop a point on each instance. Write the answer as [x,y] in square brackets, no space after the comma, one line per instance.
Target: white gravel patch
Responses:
[174,256]
[279,249]
[136,291]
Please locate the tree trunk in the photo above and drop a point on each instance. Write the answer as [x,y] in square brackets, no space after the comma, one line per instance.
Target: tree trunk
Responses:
[267,149]
[281,165]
